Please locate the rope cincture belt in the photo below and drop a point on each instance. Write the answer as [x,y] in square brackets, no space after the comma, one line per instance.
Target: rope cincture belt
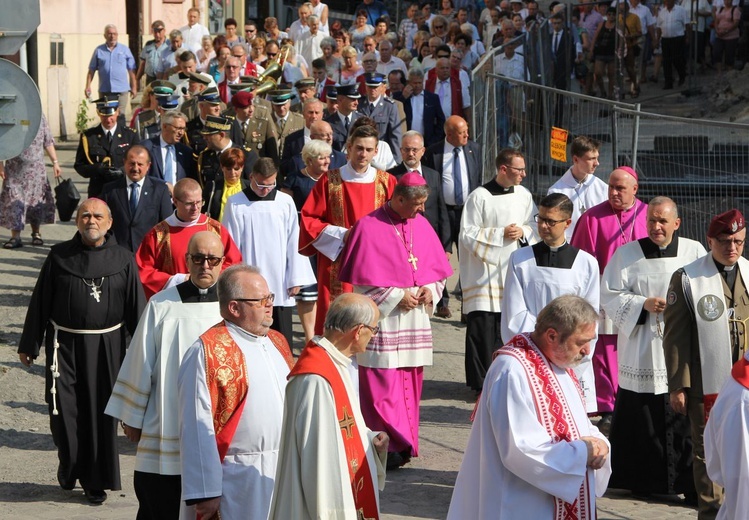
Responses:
[54,366]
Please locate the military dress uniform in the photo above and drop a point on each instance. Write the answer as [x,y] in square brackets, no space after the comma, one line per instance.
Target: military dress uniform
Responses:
[147,124]
[100,159]
[209,167]
[681,345]
[385,114]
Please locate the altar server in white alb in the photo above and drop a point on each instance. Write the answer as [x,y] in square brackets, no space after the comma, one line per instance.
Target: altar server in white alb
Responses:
[144,397]
[263,222]
[727,442]
[579,182]
[548,269]
[532,452]
[650,442]
[497,218]
[231,388]
[331,464]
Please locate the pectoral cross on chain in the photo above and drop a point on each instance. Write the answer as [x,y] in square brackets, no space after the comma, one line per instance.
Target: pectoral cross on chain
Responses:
[412,259]
[96,293]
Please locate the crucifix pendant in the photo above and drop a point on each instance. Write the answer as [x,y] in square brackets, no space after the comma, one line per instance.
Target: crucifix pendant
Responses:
[412,259]
[96,293]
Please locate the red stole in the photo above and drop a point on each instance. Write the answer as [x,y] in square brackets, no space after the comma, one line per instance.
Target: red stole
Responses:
[250,69]
[226,378]
[740,372]
[456,91]
[314,360]
[553,412]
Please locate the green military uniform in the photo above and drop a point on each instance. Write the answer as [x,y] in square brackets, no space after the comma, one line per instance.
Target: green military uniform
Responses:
[683,365]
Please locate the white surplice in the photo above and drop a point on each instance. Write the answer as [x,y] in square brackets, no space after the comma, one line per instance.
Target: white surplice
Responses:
[584,195]
[482,248]
[267,233]
[145,394]
[727,448]
[511,469]
[244,480]
[628,280]
[312,480]
[529,288]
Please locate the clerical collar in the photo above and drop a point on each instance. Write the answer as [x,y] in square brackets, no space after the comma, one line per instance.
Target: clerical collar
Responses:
[723,267]
[174,220]
[254,197]
[562,257]
[249,336]
[495,188]
[191,293]
[651,250]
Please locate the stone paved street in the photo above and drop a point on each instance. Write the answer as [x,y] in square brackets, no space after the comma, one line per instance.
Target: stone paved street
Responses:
[422,490]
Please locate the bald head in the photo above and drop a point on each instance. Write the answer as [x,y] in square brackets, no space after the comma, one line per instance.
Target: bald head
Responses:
[321,130]
[204,258]
[94,218]
[456,131]
[350,322]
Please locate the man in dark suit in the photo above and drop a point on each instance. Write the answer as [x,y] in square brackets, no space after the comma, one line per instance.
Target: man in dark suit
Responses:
[322,131]
[456,153]
[170,159]
[311,112]
[415,98]
[435,211]
[101,151]
[348,100]
[563,55]
[138,201]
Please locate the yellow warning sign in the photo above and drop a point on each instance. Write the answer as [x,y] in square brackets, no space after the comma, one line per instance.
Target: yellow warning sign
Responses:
[558,144]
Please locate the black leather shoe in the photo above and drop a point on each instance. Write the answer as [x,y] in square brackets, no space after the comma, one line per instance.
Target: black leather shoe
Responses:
[95,496]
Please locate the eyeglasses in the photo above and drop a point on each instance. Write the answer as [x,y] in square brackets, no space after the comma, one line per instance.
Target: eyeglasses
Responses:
[250,30]
[198,259]
[232,66]
[726,242]
[411,150]
[439,26]
[374,330]
[196,204]
[369,61]
[548,221]
[515,168]
[177,128]
[264,301]
[264,186]
[271,54]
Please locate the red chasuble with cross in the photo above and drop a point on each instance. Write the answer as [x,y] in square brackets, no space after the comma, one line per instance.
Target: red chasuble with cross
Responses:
[314,360]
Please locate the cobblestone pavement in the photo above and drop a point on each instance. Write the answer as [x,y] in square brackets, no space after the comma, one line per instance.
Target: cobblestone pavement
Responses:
[422,490]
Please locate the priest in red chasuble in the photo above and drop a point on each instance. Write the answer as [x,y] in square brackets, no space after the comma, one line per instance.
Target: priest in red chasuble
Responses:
[337,201]
[394,256]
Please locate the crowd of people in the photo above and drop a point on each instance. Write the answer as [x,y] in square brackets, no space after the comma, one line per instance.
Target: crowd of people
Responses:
[235,198]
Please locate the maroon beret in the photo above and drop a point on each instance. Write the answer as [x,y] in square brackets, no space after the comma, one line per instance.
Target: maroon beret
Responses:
[242,99]
[728,223]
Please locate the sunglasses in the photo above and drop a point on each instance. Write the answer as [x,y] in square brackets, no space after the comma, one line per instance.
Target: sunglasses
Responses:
[198,259]
[271,54]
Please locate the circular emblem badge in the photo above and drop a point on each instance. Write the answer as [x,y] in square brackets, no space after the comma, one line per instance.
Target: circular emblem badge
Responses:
[710,307]
[671,298]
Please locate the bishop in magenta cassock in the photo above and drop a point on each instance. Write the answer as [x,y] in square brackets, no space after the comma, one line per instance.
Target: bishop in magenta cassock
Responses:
[337,201]
[395,257]
[600,231]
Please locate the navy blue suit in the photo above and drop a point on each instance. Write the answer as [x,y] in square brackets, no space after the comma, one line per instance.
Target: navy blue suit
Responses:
[434,118]
[293,145]
[186,165]
[154,205]
[339,131]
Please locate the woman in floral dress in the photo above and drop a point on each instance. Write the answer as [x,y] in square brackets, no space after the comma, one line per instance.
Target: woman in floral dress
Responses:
[26,196]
